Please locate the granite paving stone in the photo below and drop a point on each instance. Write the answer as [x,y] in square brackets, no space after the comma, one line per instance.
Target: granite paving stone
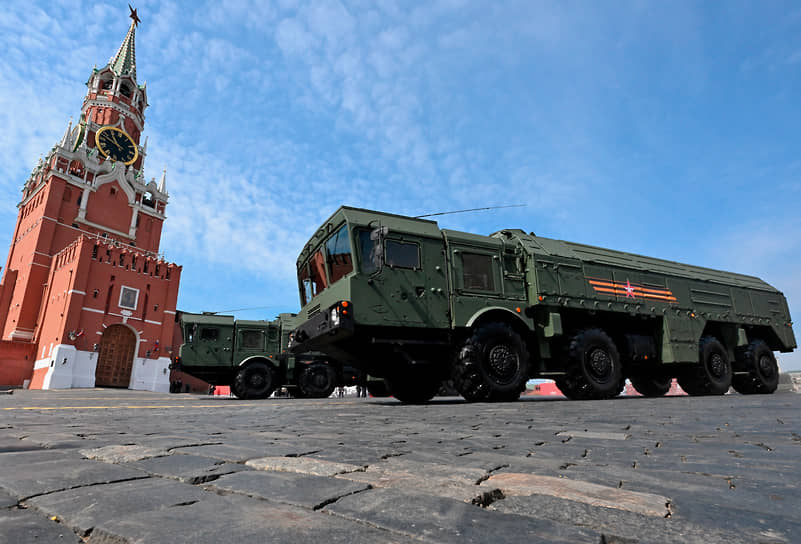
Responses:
[434,479]
[20,526]
[647,504]
[303,465]
[6,500]
[123,453]
[438,519]
[47,477]
[620,523]
[84,507]
[191,469]
[301,490]
[239,519]
[224,452]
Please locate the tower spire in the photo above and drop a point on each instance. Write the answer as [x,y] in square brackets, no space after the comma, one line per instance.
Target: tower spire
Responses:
[163,183]
[124,62]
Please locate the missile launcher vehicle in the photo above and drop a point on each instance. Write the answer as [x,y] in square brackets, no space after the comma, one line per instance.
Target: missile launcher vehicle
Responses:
[248,356]
[402,299]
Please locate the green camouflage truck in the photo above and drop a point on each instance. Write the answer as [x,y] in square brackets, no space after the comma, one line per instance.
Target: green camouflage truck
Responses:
[248,357]
[404,300]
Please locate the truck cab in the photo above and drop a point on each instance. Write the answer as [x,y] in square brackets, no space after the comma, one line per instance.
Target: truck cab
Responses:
[251,357]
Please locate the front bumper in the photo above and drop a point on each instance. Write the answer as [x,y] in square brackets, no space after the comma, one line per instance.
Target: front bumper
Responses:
[321,330]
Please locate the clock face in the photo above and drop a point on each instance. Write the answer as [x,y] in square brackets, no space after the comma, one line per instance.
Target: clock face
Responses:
[116,145]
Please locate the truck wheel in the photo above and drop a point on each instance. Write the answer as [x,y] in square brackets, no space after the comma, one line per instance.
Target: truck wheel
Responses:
[317,381]
[254,381]
[713,374]
[413,384]
[763,371]
[493,364]
[377,388]
[650,385]
[593,367]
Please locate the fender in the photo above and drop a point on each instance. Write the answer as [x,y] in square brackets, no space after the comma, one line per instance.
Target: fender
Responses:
[259,359]
[483,311]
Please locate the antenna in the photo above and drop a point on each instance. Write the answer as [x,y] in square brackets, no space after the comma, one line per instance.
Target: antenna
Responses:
[471,210]
[238,310]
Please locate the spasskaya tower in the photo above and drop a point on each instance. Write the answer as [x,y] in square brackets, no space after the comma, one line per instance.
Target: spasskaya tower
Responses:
[86,299]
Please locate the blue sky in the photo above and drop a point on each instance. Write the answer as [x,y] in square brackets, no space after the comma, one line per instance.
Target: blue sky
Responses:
[671,129]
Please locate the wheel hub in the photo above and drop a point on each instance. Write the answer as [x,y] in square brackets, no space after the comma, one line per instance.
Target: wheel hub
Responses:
[256,379]
[717,365]
[766,366]
[600,363]
[503,363]
[318,379]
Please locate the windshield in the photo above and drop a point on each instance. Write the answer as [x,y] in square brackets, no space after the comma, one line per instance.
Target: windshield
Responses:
[339,259]
[328,265]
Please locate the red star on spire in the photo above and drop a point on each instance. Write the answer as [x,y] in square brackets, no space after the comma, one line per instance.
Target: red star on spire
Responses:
[134,16]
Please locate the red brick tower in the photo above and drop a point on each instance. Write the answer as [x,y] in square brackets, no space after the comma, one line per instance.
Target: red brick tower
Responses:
[85,298]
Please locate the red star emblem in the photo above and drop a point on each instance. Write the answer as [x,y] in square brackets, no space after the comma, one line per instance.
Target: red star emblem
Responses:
[629,290]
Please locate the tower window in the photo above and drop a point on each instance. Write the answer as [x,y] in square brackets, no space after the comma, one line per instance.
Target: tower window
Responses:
[148,200]
[107,84]
[113,191]
[125,91]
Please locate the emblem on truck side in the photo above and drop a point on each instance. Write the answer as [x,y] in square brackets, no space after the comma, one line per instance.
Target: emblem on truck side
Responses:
[631,290]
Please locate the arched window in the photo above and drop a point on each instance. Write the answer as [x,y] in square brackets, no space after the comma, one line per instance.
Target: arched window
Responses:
[148,200]
[125,91]
[76,168]
[107,84]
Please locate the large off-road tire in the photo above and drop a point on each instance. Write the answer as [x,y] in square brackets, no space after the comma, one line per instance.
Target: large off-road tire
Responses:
[414,384]
[493,364]
[316,381]
[713,373]
[254,381]
[593,369]
[651,384]
[763,371]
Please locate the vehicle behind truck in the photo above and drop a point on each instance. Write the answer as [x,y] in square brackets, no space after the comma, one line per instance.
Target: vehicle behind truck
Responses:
[251,357]
[402,299]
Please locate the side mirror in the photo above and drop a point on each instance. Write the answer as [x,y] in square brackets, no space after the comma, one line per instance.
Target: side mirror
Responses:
[377,235]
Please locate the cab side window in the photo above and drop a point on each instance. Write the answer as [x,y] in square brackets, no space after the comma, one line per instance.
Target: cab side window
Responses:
[402,254]
[250,339]
[477,272]
[209,334]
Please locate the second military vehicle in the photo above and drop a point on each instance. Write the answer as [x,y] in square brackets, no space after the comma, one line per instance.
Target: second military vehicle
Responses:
[402,299]
[251,357]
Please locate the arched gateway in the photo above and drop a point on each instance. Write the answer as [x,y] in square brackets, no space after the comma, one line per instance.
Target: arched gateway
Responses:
[115,360]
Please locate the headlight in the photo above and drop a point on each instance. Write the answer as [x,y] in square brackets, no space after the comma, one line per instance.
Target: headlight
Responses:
[334,317]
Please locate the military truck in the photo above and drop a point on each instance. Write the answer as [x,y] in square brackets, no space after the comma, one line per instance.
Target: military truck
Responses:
[402,299]
[248,357]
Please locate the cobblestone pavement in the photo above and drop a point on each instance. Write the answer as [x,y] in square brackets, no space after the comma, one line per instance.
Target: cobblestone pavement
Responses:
[113,466]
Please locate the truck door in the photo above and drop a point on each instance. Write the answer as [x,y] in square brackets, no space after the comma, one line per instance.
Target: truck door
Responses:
[213,344]
[476,276]
[414,273]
